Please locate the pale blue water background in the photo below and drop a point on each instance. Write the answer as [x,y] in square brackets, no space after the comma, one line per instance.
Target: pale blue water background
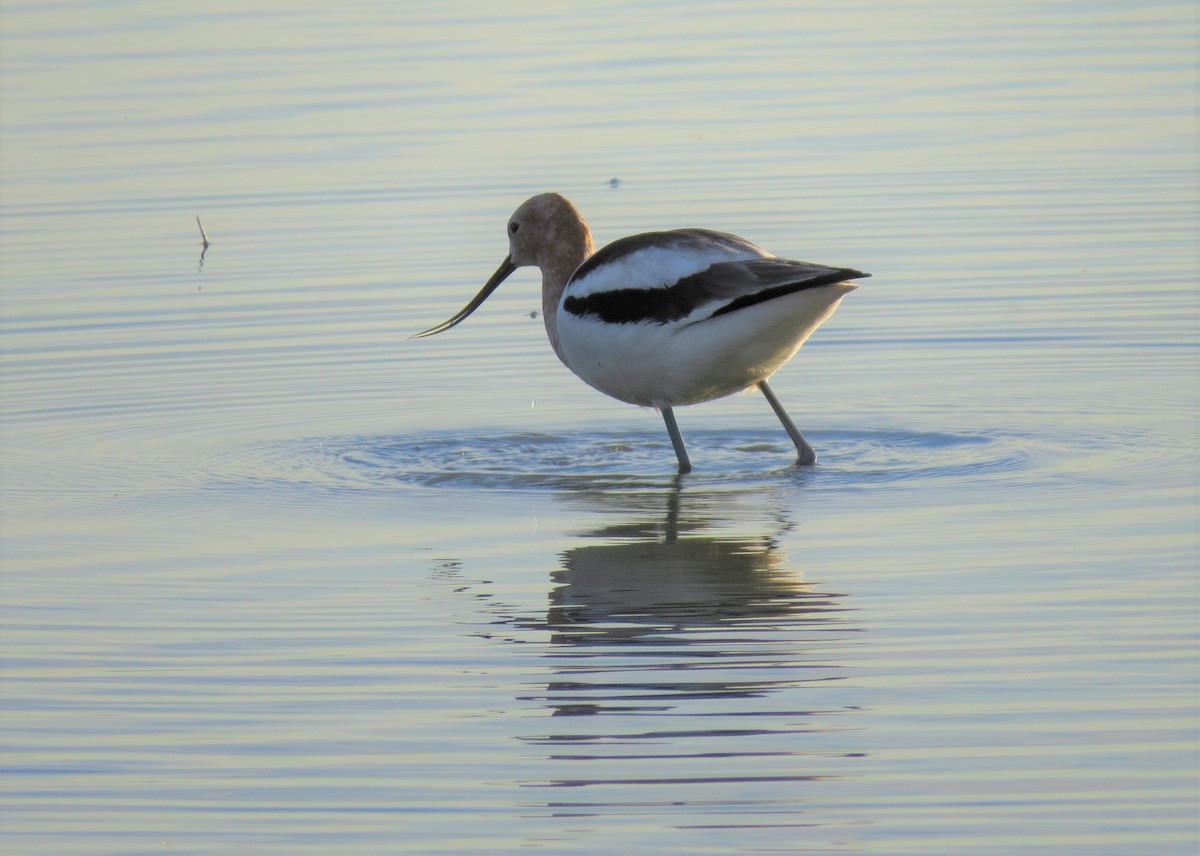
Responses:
[277,580]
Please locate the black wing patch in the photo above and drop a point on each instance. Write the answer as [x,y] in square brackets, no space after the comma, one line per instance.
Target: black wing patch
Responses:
[726,286]
[831,278]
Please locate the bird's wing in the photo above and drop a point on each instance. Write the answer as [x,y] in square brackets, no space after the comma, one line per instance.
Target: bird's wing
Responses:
[685,276]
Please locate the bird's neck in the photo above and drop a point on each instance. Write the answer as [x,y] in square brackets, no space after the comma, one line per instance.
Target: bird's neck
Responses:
[554,281]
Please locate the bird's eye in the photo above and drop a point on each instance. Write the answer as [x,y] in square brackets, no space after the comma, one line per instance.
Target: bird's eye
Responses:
[512,228]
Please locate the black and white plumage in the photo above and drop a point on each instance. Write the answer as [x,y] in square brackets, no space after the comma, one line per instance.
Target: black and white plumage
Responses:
[667,318]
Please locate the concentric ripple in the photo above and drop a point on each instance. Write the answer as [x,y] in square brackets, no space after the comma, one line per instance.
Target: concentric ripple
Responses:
[592,460]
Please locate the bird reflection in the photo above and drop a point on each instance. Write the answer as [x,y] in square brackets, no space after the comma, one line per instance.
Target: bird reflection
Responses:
[681,661]
[663,612]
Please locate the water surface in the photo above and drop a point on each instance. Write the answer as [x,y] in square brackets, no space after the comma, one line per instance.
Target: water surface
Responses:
[277,580]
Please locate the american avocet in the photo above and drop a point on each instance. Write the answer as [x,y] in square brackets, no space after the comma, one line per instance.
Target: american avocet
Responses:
[667,318]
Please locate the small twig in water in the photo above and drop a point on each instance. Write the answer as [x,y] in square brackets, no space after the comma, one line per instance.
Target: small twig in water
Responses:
[203,236]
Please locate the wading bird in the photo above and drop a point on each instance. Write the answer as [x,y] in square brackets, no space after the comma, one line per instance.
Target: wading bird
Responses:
[665,319]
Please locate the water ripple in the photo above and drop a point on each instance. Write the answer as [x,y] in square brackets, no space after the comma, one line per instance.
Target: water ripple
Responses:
[597,460]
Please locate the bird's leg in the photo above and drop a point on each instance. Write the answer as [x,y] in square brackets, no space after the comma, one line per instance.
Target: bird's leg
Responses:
[805,452]
[685,464]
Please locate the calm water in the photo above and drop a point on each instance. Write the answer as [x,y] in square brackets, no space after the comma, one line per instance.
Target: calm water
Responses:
[277,580]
